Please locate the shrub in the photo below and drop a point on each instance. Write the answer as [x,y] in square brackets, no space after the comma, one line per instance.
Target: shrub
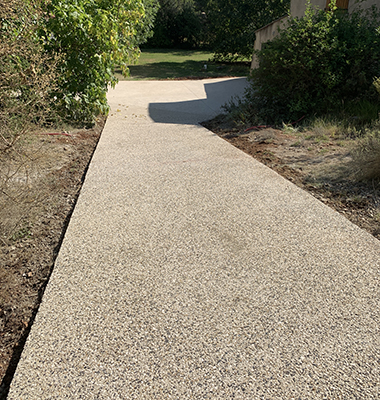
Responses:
[27,74]
[178,24]
[232,25]
[366,156]
[321,64]
[94,37]
[376,83]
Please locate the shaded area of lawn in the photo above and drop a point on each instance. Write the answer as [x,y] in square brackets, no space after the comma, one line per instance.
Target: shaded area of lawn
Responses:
[176,64]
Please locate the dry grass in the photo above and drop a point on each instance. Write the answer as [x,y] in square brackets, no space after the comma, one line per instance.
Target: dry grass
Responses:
[363,145]
[27,81]
[325,128]
[25,182]
[366,156]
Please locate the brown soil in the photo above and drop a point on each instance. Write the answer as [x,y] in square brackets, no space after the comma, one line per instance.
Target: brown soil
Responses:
[316,162]
[40,181]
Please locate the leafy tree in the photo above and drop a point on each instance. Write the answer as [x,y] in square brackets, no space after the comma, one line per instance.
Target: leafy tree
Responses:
[93,36]
[144,30]
[232,24]
[227,27]
[322,63]
[178,24]
[27,74]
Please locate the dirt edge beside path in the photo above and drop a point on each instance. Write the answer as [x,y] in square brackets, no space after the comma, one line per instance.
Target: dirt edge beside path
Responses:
[45,192]
[321,165]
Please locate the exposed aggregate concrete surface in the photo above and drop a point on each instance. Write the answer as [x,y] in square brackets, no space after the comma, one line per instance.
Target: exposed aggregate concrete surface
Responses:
[191,271]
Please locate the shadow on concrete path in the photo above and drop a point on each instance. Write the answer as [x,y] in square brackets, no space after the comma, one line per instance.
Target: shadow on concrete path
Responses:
[216,94]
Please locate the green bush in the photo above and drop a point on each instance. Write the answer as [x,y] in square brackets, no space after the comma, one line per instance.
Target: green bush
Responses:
[323,63]
[144,30]
[376,83]
[93,37]
[226,27]
[178,24]
[27,74]
[366,155]
[232,25]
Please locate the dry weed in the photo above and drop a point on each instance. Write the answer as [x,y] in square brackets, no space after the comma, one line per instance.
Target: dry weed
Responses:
[27,74]
[27,81]
[366,156]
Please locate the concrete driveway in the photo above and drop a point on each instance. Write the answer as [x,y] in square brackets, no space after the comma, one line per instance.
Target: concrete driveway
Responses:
[191,271]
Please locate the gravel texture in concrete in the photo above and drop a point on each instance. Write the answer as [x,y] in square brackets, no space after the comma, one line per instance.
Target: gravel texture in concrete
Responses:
[191,271]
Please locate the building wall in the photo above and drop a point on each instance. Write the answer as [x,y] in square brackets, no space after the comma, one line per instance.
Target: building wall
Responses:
[366,4]
[297,9]
[265,34]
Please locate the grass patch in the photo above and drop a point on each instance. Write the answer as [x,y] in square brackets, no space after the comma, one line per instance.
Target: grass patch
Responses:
[363,144]
[366,155]
[325,127]
[158,64]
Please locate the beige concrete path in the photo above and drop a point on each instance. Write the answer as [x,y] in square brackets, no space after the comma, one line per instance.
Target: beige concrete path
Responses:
[191,271]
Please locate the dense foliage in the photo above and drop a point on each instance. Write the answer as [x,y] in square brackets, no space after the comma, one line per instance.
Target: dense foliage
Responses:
[93,36]
[27,74]
[227,27]
[232,24]
[179,24]
[322,63]
[144,29]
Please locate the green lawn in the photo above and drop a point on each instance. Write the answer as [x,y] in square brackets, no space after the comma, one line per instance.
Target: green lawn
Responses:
[175,64]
